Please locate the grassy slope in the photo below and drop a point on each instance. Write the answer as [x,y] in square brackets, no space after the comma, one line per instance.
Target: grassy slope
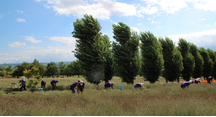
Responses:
[156,99]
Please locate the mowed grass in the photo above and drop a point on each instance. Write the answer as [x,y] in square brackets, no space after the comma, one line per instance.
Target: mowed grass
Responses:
[159,99]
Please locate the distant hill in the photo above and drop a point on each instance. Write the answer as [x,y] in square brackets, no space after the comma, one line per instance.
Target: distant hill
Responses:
[44,63]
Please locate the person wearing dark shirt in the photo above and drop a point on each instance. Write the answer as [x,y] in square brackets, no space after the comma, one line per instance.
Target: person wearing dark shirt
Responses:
[109,85]
[74,85]
[139,85]
[80,86]
[23,84]
[185,84]
[209,80]
[53,83]
[43,84]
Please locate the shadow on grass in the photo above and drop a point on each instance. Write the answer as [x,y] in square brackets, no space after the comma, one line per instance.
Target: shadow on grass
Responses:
[49,88]
[11,90]
[58,88]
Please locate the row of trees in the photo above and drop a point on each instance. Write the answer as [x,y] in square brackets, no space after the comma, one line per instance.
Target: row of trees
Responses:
[132,54]
[51,69]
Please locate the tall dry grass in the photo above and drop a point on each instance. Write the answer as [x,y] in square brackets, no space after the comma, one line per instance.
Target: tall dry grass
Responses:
[166,99]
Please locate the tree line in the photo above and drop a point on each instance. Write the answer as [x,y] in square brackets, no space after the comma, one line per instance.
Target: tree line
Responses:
[131,54]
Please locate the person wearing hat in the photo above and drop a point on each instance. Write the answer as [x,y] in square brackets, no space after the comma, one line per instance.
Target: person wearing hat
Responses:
[197,80]
[80,86]
[185,84]
[74,85]
[139,85]
[109,85]
[43,84]
[53,83]
[23,84]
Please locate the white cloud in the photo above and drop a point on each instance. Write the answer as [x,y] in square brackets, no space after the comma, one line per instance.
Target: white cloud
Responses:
[168,6]
[46,6]
[113,22]
[148,10]
[201,39]
[21,20]
[16,44]
[1,15]
[19,11]
[102,9]
[31,39]
[135,29]
[206,5]
[43,54]
[172,6]
[202,19]
[64,40]
[215,23]
[139,24]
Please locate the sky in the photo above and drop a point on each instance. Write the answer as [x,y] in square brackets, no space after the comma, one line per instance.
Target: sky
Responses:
[41,29]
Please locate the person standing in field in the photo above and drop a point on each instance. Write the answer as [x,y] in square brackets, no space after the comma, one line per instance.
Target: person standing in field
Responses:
[109,85]
[139,85]
[53,83]
[74,85]
[43,84]
[23,84]
[185,84]
[80,86]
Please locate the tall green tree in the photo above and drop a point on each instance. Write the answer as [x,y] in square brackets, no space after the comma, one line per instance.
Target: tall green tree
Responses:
[213,58]
[188,59]
[125,52]
[152,57]
[173,64]
[52,69]
[214,68]
[198,69]
[90,48]
[208,63]
[108,66]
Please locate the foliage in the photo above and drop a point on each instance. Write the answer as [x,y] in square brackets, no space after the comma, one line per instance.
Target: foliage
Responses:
[152,57]
[21,68]
[62,68]
[212,55]
[208,63]
[52,69]
[198,69]
[173,64]
[188,59]
[125,52]
[90,48]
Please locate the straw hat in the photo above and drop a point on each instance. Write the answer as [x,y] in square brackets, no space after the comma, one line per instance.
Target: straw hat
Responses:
[80,80]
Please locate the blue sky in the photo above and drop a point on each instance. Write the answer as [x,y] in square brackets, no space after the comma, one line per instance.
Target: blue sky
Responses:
[42,29]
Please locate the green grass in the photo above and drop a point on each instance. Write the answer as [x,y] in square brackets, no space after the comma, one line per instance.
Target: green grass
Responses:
[158,99]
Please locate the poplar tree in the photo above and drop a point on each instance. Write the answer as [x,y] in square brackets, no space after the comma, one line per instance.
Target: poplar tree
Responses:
[173,64]
[213,58]
[90,48]
[198,69]
[208,63]
[188,59]
[125,52]
[152,57]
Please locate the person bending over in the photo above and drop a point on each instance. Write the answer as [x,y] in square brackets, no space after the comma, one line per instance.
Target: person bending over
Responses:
[109,85]
[139,85]
[53,83]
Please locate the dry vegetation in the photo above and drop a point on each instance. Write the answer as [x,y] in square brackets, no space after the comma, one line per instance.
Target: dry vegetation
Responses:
[156,99]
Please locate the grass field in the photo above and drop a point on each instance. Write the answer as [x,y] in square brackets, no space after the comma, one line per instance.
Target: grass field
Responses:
[159,99]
